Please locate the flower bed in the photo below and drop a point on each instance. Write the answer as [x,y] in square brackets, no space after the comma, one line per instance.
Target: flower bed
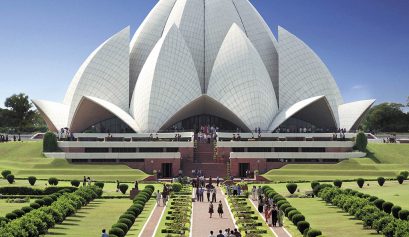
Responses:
[38,221]
[375,213]
[127,219]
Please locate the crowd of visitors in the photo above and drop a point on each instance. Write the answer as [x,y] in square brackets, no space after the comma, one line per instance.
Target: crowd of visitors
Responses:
[227,233]
[304,130]
[65,134]
[164,195]
[88,180]
[5,138]
[272,214]
[207,134]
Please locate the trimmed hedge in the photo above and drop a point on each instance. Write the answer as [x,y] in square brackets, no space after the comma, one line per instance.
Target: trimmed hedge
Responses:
[381,181]
[75,183]
[123,188]
[50,142]
[291,187]
[4,173]
[53,181]
[400,179]
[360,182]
[32,180]
[10,178]
[338,183]
[33,191]
[313,233]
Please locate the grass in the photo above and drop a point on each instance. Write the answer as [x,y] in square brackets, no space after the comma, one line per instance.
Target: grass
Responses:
[385,160]
[91,219]
[142,218]
[25,159]
[9,207]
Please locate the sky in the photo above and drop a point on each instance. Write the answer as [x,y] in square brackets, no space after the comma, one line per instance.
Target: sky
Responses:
[364,43]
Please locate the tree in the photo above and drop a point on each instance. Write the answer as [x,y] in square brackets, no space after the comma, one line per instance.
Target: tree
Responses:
[20,112]
[387,117]
[361,141]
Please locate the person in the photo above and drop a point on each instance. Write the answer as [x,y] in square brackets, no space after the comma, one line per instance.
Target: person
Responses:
[214,195]
[217,181]
[158,196]
[136,185]
[104,233]
[117,185]
[211,234]
[232,234]
[266,211]
[164,197]
[210,181]
[208,193]
[220,234]
[281,218]
[237,233]
[274,216]
[260,204]
[84,181]
[220,209]
[201,191]
[254,193]
[211,209]
[89,181]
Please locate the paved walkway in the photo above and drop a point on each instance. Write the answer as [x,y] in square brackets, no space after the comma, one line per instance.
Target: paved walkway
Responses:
[152,222]
[202,224]
[278,231]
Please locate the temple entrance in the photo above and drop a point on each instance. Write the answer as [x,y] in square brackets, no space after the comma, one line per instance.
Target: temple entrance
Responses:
[167,170]
[195,122]
[243,167]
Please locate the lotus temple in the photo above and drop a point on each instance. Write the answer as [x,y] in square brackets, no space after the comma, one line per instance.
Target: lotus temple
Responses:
[204,85]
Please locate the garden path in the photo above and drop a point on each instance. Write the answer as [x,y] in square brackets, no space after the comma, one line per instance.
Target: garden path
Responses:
[151,224]
[202,224]
[278,231]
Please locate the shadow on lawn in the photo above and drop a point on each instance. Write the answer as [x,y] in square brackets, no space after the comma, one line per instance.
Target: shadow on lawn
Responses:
[372,156]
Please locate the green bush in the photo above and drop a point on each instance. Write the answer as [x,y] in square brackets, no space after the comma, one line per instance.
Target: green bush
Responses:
[314,184]
[127,222]
[117,231]
[360,182]
[405,174]
[53,181]
[395,211]
[381,181]
[285,206]
[378,203]
[400,179]
[50,142]
[27,209]
[128,216]
[297,218]
[32,180]
[291,187]
[176,187]
[75,183]
[281,202]
[35,205]
[10,178]
[293,213]
[387,207]
[19,212]
[123,188]
[313,233]
[403,214]
[40,202]
[302,226]
[288,210]
[121,226]
[11,216]
[47,200]
[100,184]
[338,183]
[4,173]
[361,141]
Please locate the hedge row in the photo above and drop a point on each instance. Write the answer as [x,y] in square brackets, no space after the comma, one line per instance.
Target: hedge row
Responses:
[384,217]
[127,219]
[32,191]
[37,222]
[291,213]
[43,201]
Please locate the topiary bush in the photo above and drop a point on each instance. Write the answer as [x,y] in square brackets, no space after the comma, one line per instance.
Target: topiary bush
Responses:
[403,214]
[19,212]
[32,180]
[400,179]
[4,173]
[313,233]
[405,174]
[361,141]
[11,216]
[123,188]
[291,187]
[127,222]
[378,203]
[381,181]
[176,187]
[292,213]
[360,182]
[27,209]
[314,184]
[297,218]
[387,207]
[338,183]
[10,178]
[50,142]
[53,181]
[75,183]
[117,231]
[35,205]
[121,226]
[47,200]
[288,210]
[100,185]
[395,211]
[302,226]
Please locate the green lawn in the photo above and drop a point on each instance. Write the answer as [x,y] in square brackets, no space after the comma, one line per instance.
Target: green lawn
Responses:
[9,207]
[91,219]
[385,160]
[25,159]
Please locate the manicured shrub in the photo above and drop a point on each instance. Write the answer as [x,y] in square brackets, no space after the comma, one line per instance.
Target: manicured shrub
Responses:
[117,231]
[40,202]
[302,226]
[320,187]
[291,187]
[361,141]
[3,220]
[400,179]
[297,218]
[378,203]
[11,216]
[123,188]
[360,182]
[387,207]
[313,233]
[405,174]
[35,205]
[10,178]
[127,222]
[403,214]
[292,213]
[281,202]
[75,183]
[121,226]
[395,211]
[47,200]
[338,183]
[4,173]
[100,184]
[381,181]
[128,216]
[284,206]
[32,180]
[50,142]
[372,198]
[288,210]
[19,212]
[314,184]
[176,187]
[53,181]
[27,209]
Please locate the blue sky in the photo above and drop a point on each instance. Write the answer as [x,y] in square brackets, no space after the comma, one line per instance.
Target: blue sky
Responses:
[364,43]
